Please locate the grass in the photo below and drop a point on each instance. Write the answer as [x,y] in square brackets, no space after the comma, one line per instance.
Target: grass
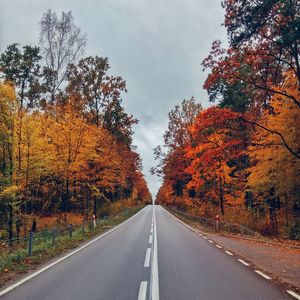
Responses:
[17,261]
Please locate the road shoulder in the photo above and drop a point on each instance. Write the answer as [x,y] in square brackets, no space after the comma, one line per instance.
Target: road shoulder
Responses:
[280,262]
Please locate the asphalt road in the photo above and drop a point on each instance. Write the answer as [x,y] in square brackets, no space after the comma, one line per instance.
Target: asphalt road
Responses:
[145,259]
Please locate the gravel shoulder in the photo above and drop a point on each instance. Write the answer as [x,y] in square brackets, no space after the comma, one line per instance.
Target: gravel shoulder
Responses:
[282,261]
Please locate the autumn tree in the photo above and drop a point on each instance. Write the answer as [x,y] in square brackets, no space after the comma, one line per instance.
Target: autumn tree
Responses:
[218,142]
[273,24]
[171,158]
[274,171]
[22,69]
[9,204]
[263,45]
[118,122]
[74,152]
[95,89]
[67,132]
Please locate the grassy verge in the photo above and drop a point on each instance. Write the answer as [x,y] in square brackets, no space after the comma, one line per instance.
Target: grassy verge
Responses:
[14,262]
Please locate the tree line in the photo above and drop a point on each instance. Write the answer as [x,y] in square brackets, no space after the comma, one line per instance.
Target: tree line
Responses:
[240,158]
[65,137]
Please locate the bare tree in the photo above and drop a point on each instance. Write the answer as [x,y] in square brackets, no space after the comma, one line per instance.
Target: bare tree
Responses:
[62,43]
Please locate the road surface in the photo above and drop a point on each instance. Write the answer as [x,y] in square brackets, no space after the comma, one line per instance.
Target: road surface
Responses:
[151,256]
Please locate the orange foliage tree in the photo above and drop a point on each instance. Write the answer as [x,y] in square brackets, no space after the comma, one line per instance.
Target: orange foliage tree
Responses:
[218,144]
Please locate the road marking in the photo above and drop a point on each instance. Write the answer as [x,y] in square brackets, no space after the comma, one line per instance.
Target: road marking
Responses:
[205,237]
[151,230]
[147,258]
[210,241]
[186,225]
[228,252]
[143,290]
[200,234]
[263,274]
[13,286]
[154,290]
[218,246]
[244,263]
[150,239]
[293,294]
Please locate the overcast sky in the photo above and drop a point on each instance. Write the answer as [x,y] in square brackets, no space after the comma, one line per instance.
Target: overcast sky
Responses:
[156,45]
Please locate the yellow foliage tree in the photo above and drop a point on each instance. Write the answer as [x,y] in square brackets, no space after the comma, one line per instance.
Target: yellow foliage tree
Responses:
[275,173]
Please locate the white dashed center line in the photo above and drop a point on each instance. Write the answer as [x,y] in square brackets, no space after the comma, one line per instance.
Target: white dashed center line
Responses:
[143,290]
[147,258]
[150,239]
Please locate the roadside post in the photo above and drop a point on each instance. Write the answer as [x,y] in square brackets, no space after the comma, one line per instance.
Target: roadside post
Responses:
[94,221]
[217,224]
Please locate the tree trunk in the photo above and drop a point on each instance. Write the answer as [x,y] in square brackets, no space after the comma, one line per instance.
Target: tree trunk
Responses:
[10,224]
[95,206]
[286,211]
[66,200]
[18,227]
[87,202]
[221,202]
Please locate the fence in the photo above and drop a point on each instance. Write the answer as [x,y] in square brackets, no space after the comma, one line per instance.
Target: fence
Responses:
[214,225]
[36,244]
[47,238]
[16,254]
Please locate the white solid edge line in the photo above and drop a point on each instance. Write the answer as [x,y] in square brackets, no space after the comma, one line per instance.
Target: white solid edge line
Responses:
[150,239]
[143,290]
[263,274]
[18,283]
[218,246]
[186,225]
[244,263]
[293,294]
[154,268]
[228,252]
[147,258]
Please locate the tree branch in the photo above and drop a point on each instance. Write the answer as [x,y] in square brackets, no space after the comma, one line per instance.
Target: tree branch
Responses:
[273,132]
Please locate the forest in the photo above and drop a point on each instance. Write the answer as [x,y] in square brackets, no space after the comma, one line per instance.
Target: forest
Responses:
[65,138]
[240,157]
